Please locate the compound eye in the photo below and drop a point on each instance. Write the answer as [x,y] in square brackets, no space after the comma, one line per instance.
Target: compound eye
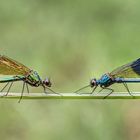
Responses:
[47,82]
[93,82]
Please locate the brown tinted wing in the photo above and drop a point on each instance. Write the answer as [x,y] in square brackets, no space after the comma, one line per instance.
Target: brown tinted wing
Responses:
[9,66]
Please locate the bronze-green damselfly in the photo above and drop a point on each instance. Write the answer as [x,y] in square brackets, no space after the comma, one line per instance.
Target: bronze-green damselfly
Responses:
[14,71]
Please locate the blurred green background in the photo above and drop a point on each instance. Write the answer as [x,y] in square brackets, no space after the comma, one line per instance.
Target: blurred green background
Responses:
[71,41]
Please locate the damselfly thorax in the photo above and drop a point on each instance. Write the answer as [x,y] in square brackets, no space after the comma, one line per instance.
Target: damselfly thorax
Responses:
[33,79]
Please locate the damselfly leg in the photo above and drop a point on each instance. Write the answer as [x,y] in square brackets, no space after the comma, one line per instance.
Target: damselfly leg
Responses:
[109,89]
[126,86]
[22,92]
[5,87]
[9,88]
[94,89]
[50,90]
[27,88]
[77,91]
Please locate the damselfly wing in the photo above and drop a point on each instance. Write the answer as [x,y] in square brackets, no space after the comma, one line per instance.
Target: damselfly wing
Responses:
[15,71]
[9,66]
[130,70]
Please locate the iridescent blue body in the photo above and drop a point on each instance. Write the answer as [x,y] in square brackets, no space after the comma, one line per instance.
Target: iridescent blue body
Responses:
[106,80]
[129,73]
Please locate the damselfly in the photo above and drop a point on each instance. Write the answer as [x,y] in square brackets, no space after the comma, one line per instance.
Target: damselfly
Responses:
[129,73]
[14,71]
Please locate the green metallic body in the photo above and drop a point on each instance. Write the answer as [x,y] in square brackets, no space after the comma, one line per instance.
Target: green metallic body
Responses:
[32,79]
[11,78]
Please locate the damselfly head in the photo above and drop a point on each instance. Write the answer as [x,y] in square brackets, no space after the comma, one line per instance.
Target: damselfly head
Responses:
[93,82]
[47,82]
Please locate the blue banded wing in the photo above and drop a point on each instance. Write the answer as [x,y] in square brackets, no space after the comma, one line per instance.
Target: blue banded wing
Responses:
[9,66]
[130,70]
